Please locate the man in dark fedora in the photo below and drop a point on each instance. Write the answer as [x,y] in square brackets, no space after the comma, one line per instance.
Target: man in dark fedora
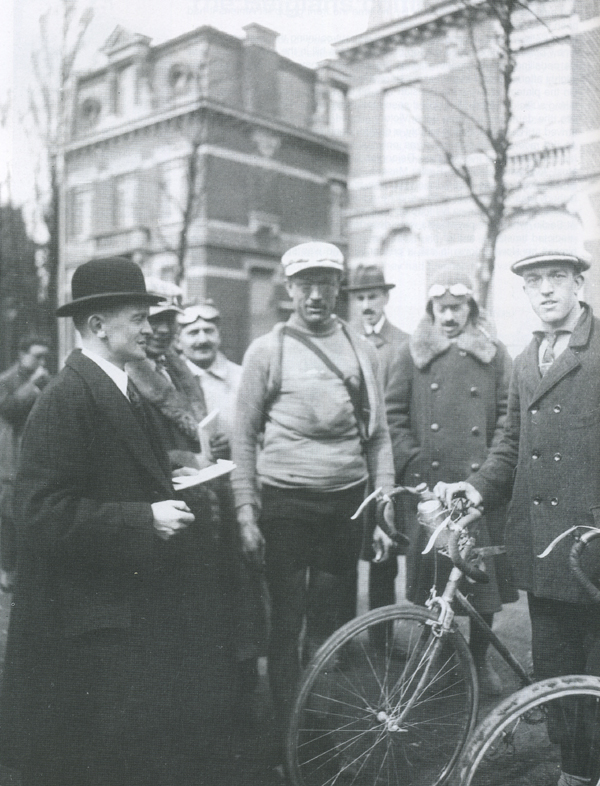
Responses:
[91,691]
[370,293]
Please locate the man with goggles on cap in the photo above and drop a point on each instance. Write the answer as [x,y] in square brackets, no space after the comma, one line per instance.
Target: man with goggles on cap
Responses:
[310,434]
[218,380]
[446,403]
[547,458]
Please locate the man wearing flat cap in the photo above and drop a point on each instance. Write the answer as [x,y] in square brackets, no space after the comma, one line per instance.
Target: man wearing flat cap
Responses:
[547,457]
[446,405]
[310,433]
[94,692]
[370,293]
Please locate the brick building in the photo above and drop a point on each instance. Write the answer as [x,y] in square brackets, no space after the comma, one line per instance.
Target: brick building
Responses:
[412,75]
[270,167]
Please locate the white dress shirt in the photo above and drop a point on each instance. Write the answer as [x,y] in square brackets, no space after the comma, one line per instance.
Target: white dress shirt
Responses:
[118,376]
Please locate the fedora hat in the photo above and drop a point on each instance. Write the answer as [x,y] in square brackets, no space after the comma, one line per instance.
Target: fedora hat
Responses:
[367,277]
[115,279]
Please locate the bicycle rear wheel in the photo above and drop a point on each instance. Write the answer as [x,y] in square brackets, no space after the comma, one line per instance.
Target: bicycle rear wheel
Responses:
[384,701]
[536,732]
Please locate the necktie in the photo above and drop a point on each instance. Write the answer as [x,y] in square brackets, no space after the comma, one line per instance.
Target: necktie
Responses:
[136,405]
[548,356]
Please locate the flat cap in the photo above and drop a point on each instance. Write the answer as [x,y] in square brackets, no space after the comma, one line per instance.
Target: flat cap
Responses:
[312,254]
[550,258]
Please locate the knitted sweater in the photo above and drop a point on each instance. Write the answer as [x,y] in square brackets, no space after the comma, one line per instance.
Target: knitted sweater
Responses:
[309,437]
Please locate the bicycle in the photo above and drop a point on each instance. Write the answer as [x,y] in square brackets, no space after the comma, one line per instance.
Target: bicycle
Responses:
[392,696]
[527,738]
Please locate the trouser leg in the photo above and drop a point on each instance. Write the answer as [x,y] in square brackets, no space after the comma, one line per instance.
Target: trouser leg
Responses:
[478,642]
[565,640]
[288,600]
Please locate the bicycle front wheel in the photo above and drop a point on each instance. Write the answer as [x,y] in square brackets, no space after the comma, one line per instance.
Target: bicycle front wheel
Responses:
[385,701]
[530,737]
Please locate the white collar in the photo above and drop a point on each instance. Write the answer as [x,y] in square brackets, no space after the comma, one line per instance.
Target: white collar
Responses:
[375,328]
[118,376]
[218,367]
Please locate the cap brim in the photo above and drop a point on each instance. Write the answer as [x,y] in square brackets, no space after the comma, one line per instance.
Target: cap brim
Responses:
[68,309]
[156,310]
[297,267]
[368,286]
[538,260]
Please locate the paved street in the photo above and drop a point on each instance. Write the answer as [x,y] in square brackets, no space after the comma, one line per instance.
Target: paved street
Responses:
[253,751]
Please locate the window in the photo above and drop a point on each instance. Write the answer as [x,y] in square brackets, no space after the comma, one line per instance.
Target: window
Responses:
[180,78]
[80,224]
[402,132]
[173,190]
[124,205]
[541,93]
[126,90]
[89,112]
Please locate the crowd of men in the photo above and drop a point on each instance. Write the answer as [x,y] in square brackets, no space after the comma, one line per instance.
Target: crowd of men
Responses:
[139,610]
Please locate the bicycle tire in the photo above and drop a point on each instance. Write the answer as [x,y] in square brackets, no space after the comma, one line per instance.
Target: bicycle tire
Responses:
[521,742]
[347,725]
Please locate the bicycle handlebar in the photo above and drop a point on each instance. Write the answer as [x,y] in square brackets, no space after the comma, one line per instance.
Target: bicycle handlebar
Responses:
[575,564]
[457,558]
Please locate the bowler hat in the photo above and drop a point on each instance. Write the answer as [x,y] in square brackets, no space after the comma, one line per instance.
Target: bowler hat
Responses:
[100,280]
[550,258]
[310,255]
[367,277]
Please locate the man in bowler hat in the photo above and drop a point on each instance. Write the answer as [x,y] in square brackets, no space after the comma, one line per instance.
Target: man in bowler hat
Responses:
[91,687]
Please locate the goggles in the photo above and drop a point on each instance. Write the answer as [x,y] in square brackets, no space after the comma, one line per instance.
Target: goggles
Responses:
[205,311]
[457,290]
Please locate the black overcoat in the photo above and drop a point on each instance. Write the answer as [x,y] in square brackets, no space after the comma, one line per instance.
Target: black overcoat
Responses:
[446,404]
[102,603]
[550,447]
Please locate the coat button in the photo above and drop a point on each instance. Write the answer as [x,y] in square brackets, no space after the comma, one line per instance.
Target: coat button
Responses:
[534,411]
[535,455]
[536,500]
[557,408]
[474,467]
[557,457]
[475,431]
[435,465]
[462,353]
[554,501]
[435,426]
[434,386]
[474,392]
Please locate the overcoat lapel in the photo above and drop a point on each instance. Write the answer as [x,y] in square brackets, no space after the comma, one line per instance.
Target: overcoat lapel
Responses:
[118,412]
[564,364]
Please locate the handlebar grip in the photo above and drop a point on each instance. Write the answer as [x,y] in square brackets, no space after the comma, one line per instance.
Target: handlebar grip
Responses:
[469,570]
[575,565]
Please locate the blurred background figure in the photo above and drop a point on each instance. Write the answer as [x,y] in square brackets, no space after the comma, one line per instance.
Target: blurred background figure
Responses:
[369,295]
[20,385]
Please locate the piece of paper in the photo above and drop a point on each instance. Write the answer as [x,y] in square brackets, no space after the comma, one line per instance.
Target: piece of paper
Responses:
[222,467]
[208,427]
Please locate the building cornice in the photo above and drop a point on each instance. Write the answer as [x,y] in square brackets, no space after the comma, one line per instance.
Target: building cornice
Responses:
[409,29]
[206,105]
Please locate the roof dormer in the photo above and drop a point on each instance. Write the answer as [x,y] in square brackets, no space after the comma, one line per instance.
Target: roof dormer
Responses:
[123,44]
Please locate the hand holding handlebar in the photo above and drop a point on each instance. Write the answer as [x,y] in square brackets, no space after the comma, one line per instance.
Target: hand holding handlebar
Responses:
[447,493]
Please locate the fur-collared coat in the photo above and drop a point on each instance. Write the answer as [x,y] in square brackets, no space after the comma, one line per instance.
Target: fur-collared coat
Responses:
[180,402]
[446,403]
